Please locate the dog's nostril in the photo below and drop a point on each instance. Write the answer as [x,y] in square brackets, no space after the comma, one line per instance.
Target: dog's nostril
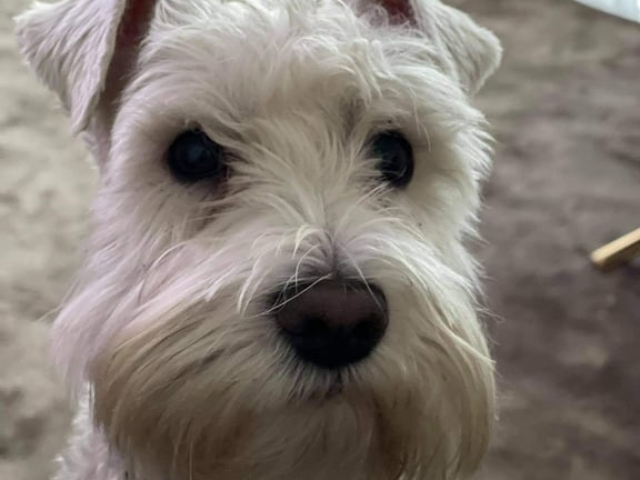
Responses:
[367,329]
[332,323]
[308,326]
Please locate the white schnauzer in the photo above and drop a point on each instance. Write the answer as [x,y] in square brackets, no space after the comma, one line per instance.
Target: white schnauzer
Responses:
[277,287]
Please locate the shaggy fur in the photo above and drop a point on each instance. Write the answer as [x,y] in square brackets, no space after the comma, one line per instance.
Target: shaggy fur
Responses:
[167,338]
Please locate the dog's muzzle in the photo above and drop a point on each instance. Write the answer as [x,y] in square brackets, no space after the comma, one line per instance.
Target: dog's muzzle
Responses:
[332,323]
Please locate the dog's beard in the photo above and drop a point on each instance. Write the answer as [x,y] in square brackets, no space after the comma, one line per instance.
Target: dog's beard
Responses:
[191,380]
[226,399]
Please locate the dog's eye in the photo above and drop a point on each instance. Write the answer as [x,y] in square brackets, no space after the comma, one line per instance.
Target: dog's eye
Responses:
[395,156]
[193,156]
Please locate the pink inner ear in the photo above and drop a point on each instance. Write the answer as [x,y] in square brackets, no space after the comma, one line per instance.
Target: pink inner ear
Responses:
[136,19]
[133,26]
[400,11]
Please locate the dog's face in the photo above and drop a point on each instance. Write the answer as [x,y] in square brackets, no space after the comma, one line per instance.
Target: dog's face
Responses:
[277,287]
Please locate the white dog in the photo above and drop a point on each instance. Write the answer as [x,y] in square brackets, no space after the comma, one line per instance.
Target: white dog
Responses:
[277,287]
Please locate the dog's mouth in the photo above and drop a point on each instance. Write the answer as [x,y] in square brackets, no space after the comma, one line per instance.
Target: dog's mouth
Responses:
[334,389]
[329,389]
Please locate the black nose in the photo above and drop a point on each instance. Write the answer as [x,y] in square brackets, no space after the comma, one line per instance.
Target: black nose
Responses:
[332,323]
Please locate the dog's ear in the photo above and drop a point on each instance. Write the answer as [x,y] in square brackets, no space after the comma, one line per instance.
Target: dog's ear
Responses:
[84,50]
[474,51]
[471,52]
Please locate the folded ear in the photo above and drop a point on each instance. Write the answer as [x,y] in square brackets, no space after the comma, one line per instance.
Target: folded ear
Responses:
[84,50]
[471,53]
[474,51]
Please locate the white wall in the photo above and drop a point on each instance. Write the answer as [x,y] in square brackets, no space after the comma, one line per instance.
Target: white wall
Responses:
[629,9]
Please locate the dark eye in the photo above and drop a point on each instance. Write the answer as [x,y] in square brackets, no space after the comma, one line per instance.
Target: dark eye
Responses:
[395,158]
[193,156]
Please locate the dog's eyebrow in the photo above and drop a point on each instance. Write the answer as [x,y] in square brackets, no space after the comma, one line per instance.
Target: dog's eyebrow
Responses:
[351,111]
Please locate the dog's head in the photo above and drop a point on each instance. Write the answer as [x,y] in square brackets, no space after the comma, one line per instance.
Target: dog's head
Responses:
[277,286]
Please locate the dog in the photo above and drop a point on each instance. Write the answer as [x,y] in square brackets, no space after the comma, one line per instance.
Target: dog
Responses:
[277,285]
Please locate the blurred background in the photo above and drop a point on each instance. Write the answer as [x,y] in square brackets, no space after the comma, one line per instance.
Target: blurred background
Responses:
[566,113]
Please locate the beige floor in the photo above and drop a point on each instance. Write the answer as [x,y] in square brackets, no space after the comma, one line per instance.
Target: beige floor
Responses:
[45,187]
[566,110]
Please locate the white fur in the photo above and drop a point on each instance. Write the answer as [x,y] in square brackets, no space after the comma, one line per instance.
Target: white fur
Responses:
[70,44]
[168,324]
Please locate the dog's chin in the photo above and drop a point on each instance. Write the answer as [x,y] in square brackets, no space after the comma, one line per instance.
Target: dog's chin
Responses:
[176,398]
[197,428]
[339,429]
[330,432]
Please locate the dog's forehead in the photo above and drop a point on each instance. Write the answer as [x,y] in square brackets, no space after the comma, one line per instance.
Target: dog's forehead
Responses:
[241,59]
[298,47]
